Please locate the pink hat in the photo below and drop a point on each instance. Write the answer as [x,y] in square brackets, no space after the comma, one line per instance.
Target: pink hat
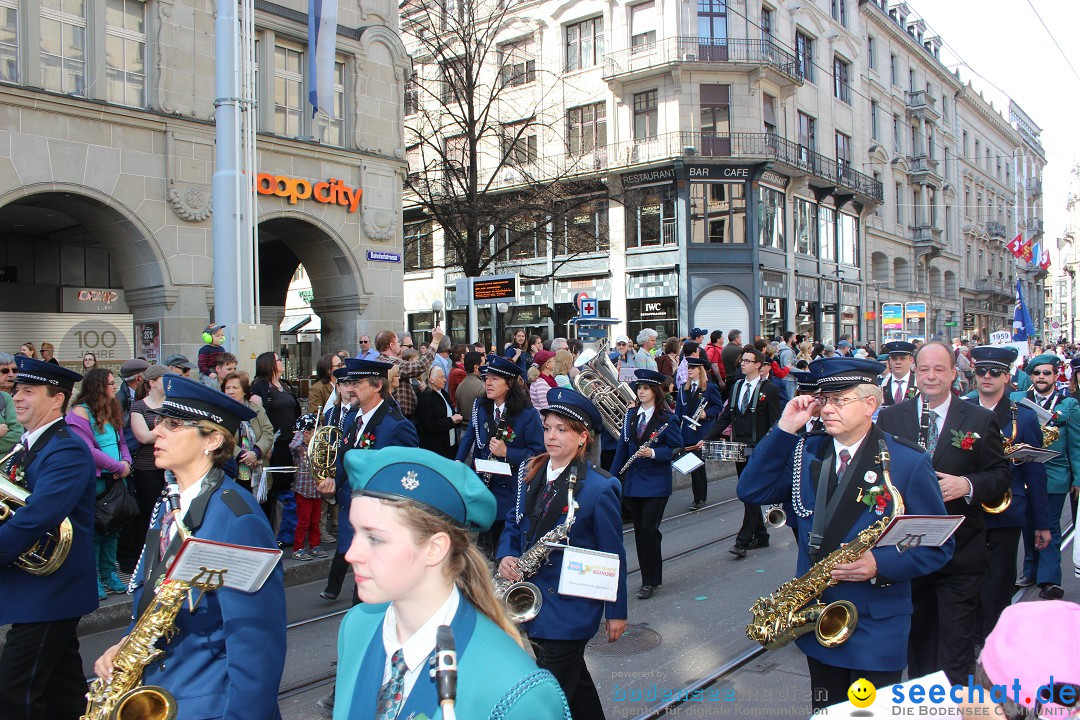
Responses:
[1032,643]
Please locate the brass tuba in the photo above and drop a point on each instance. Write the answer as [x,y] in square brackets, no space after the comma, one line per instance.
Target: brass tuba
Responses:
[323,448]
[599,381]
[46,555]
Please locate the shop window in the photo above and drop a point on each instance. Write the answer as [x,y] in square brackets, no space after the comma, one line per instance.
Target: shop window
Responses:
[582,227]
[771,218]
[805,230]
[9,41]
[63,46]
[718,213]
[660,313]
[288,90]
[586,128]
[772,321]
[847,238]
[517,63]
[125,52]
[650,216]
[584,44]
[417,246]
[826,233]
[523,240]
[806,313]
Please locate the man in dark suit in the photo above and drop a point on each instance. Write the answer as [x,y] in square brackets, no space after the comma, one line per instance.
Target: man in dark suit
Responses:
[752,410]
[900,383]
[41,672]
[965,446]
[1005,518]
[835,491]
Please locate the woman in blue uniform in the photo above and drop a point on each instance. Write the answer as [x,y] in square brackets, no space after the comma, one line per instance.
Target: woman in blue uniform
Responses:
[504,427]
[566,623]
[643,458]
[697,405]
[226,658]
[416,570]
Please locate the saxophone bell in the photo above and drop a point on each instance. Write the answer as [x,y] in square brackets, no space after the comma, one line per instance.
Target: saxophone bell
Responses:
[145,703]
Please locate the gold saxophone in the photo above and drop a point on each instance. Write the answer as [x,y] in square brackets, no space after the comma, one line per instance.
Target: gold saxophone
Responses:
[46,555]
[792,610]
[124,697]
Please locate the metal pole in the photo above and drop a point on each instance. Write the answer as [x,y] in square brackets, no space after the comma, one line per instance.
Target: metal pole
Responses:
[473,325]
[228,299]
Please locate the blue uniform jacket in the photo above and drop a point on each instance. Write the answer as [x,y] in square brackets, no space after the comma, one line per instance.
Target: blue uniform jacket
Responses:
[1028,479]
[497,680]
[227,657]
[1064,470]
[647,477]
[686,405]
[879,642]
[60,479]
[597,526]
[528,442]
[390,428]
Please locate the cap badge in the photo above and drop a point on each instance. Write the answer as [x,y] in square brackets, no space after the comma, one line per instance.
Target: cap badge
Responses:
[410,481]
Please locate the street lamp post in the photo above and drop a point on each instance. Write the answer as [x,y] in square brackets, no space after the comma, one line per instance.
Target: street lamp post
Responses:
[500,311]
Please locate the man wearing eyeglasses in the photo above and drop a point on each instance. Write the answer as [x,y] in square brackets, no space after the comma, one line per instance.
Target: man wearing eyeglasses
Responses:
[900,384]
[965,446]
[1019,424]
[1043,566]
[10,429]
[836,492]
[367,352]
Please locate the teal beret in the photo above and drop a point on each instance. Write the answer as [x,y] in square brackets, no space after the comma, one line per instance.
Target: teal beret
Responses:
[447,487]
[1044,359]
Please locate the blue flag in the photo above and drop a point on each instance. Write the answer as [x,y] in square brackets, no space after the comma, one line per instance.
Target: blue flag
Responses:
[1022,326]
[322,37]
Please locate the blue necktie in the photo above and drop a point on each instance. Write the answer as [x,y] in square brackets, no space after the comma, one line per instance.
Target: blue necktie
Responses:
[392,694]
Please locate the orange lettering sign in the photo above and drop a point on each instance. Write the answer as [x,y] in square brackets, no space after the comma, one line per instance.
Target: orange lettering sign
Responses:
[330,192]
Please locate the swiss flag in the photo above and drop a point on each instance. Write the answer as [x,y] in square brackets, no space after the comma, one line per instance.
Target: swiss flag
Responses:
[1027,249]
[1044,261]
[1016,246]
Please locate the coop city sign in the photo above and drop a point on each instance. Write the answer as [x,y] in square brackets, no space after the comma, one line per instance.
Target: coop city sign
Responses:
[329,192]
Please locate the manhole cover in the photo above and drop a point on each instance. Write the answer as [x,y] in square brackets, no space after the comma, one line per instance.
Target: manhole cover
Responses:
[636,639]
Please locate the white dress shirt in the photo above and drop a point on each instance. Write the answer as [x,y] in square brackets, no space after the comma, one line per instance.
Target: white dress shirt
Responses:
[747,390]
[366,417]
[852,449]
[30,437]
[418,647]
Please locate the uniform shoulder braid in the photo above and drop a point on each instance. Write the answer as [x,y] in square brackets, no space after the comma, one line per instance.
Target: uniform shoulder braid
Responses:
[904,441]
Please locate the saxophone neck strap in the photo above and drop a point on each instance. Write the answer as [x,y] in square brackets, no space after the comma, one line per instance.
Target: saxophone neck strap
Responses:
[826,505]
[549,502]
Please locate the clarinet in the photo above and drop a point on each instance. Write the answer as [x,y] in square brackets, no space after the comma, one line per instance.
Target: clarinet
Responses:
[445,670]
[924,425]
[652,438]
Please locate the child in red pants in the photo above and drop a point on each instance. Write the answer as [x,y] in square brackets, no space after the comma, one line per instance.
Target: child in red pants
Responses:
[308,498]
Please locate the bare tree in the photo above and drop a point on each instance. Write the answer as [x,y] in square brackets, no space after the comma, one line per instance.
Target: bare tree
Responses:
[475,126]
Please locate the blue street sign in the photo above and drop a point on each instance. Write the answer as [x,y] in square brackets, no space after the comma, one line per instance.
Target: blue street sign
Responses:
[589,307]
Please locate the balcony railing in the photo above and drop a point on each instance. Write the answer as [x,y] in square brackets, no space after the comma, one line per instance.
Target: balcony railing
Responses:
[995,229]
[1034,186]
[1035,225]
[737,51]
[921,101]
[993,285]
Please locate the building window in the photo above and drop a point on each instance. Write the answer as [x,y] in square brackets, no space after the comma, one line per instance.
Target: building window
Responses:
[843,151]
[581,227]
[712,19]
[768,112]
[766,23]
[804,56]
[911,79]
[871,53]
[586,128]
[453,81]
[964,145]
[412,95]
[771,218]
[646,114]
[805,230]
[415,160]
[806,132]
[335,128]
[523,240]
[417,246]
[456,157]
[519,143]
[897,133]
[874,119]
[288,90]
[847,239]
[643,25]
[826,233]
[839,11]
[894,72]
[517,63]
[584,44]
[715,126]
[63,46]
[9,41]
[125,52]
[718,213]
[841,79]
[930,141]
[650,216]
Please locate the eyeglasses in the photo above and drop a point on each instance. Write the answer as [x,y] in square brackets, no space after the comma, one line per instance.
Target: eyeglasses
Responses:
[116,383]
[752,362]
[1043,372]
[407,346]
[835,400]
[993,372]
[6,371]
[173,424]
[364,342]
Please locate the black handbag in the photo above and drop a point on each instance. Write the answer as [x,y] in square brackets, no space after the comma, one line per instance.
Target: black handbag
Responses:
[114,508]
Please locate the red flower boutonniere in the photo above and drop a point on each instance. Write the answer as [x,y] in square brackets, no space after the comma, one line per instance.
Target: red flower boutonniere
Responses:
[965,441]
[506,434]
[912,392]
[875,498]
[17,474]
[367,441]
[761,398]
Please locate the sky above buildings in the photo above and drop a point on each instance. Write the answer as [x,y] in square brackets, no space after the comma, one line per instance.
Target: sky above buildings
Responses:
[1011,54]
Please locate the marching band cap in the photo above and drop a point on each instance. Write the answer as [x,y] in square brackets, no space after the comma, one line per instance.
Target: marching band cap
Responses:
[898,347]
[993,356]
[189,400]
[1075,362]
[804,381]
[1031,643]
[695,362]
[697,332]
[357,369]
[502,367]
[841,373]
[38,372]
[178,360]
[131,368]
[572,404]
[648,377]
[1044,359]
[446,487]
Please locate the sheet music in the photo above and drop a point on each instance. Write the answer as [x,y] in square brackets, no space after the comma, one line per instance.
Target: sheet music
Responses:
[1043,413]
[688,463]
[908,531]
[246,567]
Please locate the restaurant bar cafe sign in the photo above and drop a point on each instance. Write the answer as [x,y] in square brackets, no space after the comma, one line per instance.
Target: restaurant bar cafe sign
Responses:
[327,192]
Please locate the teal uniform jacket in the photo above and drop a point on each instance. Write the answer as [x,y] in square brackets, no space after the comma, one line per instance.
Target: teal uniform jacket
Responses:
[1061,470]
[497,680]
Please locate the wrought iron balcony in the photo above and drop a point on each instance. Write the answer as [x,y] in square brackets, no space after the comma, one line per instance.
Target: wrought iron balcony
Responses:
[920,104]
[1035,225]
[1034,186]
[994,286]
[995,229]
[702,51]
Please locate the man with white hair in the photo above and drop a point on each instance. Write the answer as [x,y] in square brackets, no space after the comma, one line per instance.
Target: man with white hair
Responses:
[646,341]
